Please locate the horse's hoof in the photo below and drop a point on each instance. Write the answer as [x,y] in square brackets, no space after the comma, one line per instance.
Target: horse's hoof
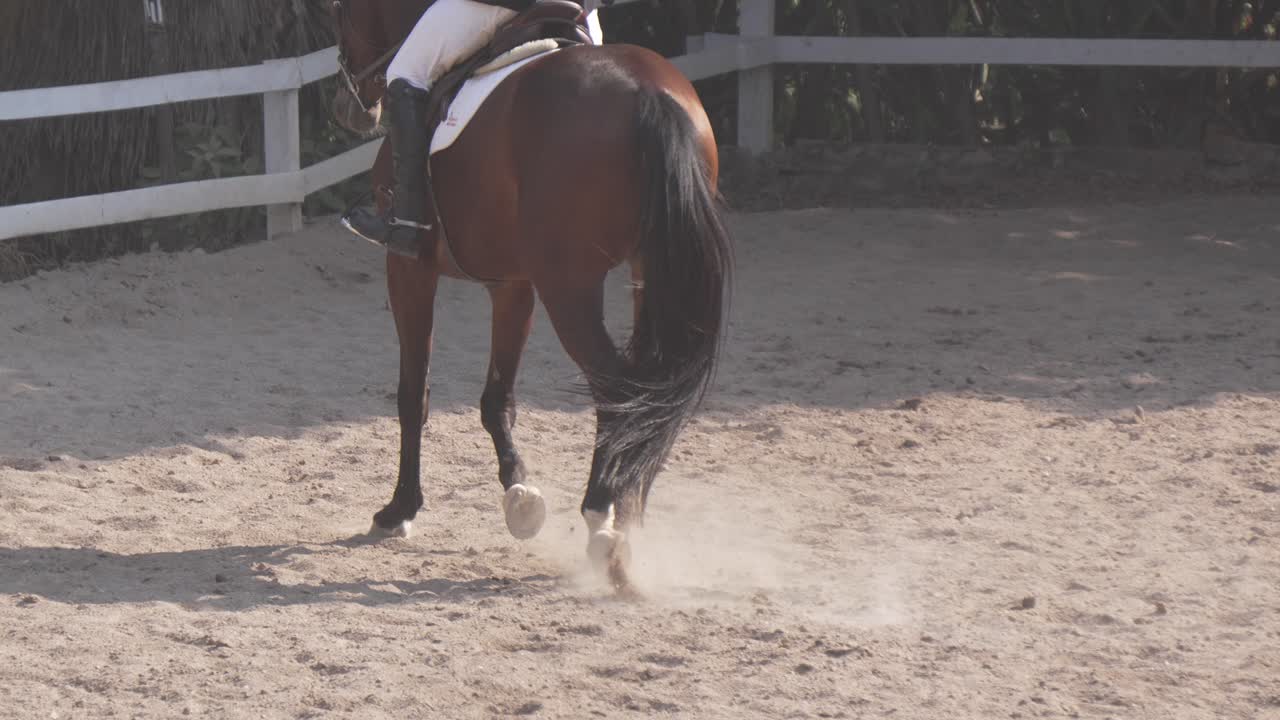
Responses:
[525,509]
[625,590]
[609,550]
[403,530]
[610,553]
[601,547]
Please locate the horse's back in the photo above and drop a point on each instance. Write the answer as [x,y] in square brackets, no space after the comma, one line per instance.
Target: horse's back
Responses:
[551,162]
[586,79]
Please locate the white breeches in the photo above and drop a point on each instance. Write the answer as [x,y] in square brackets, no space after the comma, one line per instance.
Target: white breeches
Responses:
[593,21]
[449,32]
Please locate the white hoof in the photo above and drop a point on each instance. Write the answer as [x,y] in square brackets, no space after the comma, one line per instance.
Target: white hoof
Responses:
[597,520]
[525,509]
[609,551]
[403,530]
[603,546]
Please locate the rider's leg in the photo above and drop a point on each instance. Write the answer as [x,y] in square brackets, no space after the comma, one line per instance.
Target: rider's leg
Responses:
[448,32]
[405,115]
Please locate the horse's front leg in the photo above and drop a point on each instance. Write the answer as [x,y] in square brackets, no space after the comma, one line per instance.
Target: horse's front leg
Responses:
[522,503]
[412,289]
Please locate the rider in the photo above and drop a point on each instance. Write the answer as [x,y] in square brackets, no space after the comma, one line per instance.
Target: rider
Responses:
[447,33]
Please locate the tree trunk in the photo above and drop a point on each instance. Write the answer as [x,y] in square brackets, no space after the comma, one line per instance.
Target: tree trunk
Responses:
[1114,104]
[955,84]
[161,63]
[672,20]
[811,119]
[865,75]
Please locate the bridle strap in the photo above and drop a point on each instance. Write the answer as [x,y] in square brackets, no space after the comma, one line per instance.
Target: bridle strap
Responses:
[376,65]
[353,80]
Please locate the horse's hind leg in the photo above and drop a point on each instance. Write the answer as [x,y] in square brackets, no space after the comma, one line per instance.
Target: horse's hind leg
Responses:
[512,319]
[412,291]
[578,318]
[637,289]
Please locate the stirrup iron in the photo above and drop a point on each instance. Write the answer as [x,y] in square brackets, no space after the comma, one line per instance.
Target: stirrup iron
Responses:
[397,222]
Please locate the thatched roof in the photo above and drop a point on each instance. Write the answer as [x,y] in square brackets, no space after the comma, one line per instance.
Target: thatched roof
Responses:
[67,42]
[71,41]
[45,44]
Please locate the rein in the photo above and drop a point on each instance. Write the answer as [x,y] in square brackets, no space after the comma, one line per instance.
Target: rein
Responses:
[377,67]
[353,80]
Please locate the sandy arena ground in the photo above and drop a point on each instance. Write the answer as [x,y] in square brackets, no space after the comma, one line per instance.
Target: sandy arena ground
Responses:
[995,464]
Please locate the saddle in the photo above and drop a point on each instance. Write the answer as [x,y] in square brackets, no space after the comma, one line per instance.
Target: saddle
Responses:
[563,22]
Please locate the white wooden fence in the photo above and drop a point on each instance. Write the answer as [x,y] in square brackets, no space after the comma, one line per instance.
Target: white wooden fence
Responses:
[752,54]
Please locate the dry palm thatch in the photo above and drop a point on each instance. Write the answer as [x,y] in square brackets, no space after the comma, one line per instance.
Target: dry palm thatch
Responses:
[44,44]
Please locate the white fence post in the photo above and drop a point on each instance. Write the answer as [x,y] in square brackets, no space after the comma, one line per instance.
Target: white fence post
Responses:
[282,150]
[755,86]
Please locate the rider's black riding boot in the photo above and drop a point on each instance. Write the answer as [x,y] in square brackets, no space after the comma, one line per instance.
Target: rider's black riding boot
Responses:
[411,214]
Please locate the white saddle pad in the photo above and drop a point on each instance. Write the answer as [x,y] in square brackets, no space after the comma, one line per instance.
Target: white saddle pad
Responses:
[469,99]
[474,91]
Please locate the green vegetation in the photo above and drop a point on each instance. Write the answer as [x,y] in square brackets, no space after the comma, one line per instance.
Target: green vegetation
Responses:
[993,105]
[77,41]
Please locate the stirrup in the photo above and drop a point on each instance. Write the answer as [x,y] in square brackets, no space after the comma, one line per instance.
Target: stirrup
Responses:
[397,222]
[354,229]
[380,232]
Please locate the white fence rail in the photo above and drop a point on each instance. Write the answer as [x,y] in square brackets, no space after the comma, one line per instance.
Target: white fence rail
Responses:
[752,54]
[282,189]
[270,77]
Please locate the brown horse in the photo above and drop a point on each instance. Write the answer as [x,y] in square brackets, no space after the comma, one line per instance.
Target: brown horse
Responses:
[579,161]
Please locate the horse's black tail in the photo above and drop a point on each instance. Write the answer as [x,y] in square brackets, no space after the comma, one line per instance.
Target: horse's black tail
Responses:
[687,260]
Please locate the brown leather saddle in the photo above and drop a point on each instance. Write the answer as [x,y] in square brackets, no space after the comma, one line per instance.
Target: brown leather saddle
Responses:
[555,19]
[564,21]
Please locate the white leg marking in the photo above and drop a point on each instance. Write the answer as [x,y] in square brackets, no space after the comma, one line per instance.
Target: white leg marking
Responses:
[403,530]
[604,538]
[597,520]
[526,511]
